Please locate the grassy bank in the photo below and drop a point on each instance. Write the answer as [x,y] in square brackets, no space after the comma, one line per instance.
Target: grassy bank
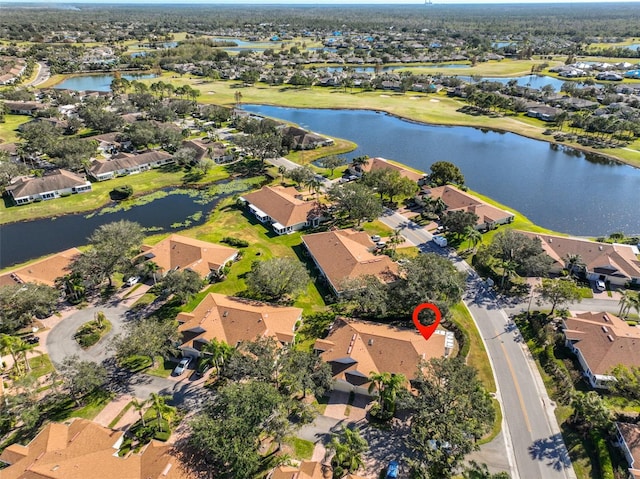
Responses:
[9,128]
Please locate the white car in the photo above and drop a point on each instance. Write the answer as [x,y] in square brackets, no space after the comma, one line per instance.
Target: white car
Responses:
[181,367]
[375,238]
[133,280]
[440,241]
[600,286]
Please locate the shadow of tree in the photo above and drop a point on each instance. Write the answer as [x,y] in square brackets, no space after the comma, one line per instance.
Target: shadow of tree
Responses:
[551,450]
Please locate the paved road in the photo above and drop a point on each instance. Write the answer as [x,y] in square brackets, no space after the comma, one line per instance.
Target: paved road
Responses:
[42,75]
[533,441]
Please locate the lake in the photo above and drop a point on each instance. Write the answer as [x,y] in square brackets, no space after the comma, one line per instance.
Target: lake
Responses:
[533,81]
[557,188]
[100,82]
[394,68]
[31,239]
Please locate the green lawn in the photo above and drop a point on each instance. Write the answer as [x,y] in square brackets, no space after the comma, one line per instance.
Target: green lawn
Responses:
[302,449]
[40,366]
[93,405]
[8,129]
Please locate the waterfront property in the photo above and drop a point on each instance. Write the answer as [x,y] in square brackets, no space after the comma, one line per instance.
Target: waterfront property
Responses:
[601,341]
[457,200]
[80,448]
[124,164]
[234,320]
[300,139]
[283,208]
[181,252]
[617,264]
[214,151]
[377,163]
[54,185]
[356,349]
[24,107]
[342,255]
[44,271]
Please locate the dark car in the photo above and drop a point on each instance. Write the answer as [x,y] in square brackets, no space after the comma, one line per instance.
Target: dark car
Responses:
[31,339]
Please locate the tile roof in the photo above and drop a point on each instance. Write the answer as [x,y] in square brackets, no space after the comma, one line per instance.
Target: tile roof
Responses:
[346,254]
[44,271]
[631,435]
[177,251]
[127,161]
[378,163]
[58,180]
[456,200]
[83,449]
[605,258]
[358,348]
[604,340]
[233,320]
[306,470]
[282,204]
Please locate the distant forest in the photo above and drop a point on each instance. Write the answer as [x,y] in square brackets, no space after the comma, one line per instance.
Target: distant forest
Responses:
[577,23]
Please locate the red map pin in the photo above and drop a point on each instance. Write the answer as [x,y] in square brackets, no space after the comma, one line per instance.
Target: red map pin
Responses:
[426,331]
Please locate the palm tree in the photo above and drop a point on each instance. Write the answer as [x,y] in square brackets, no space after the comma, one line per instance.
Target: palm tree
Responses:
[395,238]
[218,352]
[282,170]
[635,302]
[508,269]
[387,385]
[161,408]
[626,302]
[473,236]
[8,344]
[139,406]
[573,262]
[150,269]
[348,446]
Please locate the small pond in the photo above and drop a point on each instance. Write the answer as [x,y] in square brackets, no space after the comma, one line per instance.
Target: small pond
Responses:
[99,82]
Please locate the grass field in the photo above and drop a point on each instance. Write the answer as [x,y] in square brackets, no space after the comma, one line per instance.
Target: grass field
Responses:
[9,128]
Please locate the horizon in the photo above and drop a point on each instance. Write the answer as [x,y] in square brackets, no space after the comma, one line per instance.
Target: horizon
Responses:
[309,2]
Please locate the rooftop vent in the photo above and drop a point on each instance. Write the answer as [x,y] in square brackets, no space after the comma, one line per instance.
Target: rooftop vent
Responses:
[371,342]
[225,314]
[550,240]
[605,317]
[600,248]
[610,338]
[605,329]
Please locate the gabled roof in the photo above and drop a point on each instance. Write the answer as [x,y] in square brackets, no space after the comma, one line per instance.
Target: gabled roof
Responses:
[357,348]
[378,163]
[182,252]
[458,200]
[233,320]
[282,204]
[127,161]
[44,271]
[605,258]
[604,340]
[306,470]
[58,180]
[83,449]
[631,435]
[346,254]
[199,149]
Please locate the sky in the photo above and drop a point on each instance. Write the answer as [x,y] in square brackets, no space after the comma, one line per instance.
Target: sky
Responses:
[313,2]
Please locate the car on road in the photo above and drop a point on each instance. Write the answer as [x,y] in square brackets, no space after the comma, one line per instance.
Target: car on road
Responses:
[132,280]
[600,286]
[181,367]
[440,240]
[392,470]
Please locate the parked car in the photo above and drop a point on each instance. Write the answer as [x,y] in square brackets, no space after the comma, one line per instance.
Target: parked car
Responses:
[440,241]
[181,367]
[392,470]
[375,238]
[600,286]
[133,280]
[31,339]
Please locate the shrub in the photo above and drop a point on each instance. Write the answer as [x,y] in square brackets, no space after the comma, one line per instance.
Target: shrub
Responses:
[604,458]
[237,242]
[121,192]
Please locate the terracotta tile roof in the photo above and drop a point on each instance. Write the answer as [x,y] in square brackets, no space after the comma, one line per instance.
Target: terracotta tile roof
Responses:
[604,340]
[383,164]
[44,271]
[358,348]
[58,180]
[457,200]
[343,254]
[124,161]
[631,435]
[306,470]
[83,449]
[234,319]
[282,204]
[610,259]
[198,147]
[177,251]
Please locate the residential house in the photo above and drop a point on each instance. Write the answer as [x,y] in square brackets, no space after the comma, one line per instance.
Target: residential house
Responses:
[617,264]
[300,139]
[53,185]
[283,208]
[488,215]
[601,341]
[44,271]
[543,112]
[181,252]
[125,164]
[234,320]
[80,449]
[377,163]
[348,254]
[305,470]
[24,107]
[214,151]
[628,439]
[355,349]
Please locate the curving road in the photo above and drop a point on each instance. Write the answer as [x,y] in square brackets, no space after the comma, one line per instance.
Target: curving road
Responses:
[533,442]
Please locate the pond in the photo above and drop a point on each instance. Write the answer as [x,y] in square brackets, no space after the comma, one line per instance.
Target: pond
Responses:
[557,188]
[172,210]
[395,67]
[99,82]
[533,81]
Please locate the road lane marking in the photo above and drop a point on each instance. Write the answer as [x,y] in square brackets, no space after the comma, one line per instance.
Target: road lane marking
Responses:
[518,392]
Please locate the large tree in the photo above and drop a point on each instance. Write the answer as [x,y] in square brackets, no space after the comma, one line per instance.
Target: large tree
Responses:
[261,145]
[526,252]
[559,292]
[390,183]
[332,162]
[148,337]
[303,371]
[82,377]
[348,446]
[444,172]
[19,303]
[355,201]
[458,221]
[301,174]
[277,279]
[452,411]
[182,284]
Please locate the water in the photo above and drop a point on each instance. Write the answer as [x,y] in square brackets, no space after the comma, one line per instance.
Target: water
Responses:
[555,188]
[100,82]
[502,44]
[394,68]
[533,81]
[31,239]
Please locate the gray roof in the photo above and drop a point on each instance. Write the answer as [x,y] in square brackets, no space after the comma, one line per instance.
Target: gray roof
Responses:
[125,162]
[58,180]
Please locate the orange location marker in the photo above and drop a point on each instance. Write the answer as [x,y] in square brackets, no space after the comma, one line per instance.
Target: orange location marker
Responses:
[426,331]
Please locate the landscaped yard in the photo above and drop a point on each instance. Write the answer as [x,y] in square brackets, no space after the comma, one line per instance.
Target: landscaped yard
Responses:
[9,128]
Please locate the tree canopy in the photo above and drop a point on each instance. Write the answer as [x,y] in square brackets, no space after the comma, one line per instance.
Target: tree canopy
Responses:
[445,172]
[277,279]
[356,202]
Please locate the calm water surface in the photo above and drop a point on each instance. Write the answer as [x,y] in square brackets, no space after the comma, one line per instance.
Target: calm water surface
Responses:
[556,188]
[96,82]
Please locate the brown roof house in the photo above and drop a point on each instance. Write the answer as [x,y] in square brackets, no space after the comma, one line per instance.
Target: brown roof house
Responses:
[628,439]
[283,208]
[305,470]
[125,164]
[615,263]
[214,151]
[234,320]
[377,163]
[24,107]
[55,185]
[81,449]
[348,254]
[44,271]
[300,139]
[457,200]
[601,341]
[181,252]
[355,349]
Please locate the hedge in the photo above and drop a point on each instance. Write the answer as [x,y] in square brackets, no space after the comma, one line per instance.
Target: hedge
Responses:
[606,467]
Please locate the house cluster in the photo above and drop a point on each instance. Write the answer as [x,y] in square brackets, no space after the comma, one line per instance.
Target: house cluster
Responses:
[51,185]
[602,70]
[11,69]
